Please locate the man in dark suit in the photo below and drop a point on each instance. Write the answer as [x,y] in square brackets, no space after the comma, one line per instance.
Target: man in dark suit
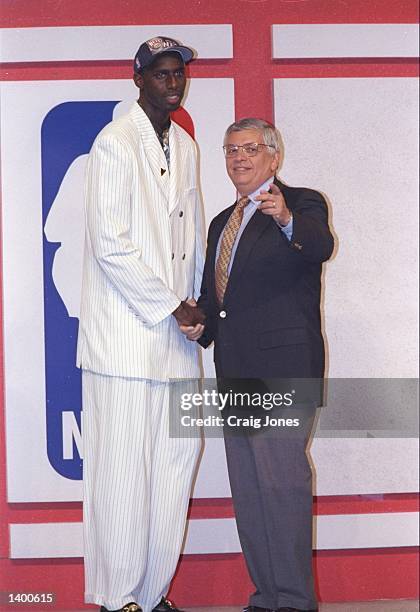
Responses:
[261,296]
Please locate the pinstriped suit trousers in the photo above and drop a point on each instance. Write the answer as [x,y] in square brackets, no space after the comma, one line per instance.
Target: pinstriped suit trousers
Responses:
[137,483]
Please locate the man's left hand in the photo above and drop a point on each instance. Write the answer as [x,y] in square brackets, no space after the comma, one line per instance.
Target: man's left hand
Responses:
[274,204]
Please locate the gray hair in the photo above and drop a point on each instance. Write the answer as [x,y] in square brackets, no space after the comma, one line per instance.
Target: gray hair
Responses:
[271,135]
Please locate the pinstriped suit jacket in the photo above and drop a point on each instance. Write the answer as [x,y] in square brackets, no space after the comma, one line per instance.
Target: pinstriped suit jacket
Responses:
[143,251]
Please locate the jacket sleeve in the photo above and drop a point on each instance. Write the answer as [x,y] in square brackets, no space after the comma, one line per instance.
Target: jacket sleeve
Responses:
[108,217]
[311,236]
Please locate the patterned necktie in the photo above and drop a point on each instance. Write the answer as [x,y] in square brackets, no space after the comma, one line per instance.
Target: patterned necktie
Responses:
[164,143]
[228,240]
[165,146]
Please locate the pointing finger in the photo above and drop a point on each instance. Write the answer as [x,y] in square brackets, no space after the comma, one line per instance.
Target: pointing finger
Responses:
[274,189]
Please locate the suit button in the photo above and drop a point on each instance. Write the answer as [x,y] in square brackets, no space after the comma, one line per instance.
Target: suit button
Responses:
[223,314]
[297,246]
[173,255]
[181,213]
[183,257]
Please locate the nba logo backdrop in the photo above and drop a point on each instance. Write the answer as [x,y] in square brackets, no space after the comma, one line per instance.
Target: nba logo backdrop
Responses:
[43,252]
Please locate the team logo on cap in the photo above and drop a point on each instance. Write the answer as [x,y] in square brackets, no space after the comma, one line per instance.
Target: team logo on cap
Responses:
[155,44]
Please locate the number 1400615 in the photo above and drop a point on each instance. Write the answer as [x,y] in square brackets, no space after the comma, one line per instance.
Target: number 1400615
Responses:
[27,598]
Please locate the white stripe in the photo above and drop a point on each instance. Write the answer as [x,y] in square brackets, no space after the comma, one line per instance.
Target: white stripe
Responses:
[43,540]
[87,43]
[345,40]
[367,530]
[212,536]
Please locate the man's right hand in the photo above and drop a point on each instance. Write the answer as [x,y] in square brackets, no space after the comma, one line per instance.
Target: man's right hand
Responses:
[192,333]
[188,315]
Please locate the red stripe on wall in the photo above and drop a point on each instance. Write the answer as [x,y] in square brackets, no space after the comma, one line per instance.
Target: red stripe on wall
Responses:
[366,504]
[214,580]
[286,69]
[325,505]
[32,13]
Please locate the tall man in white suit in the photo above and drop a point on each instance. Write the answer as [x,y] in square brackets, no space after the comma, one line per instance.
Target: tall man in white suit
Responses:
[143,259]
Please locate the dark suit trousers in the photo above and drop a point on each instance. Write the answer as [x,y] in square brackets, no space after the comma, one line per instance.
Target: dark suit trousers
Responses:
[271,482]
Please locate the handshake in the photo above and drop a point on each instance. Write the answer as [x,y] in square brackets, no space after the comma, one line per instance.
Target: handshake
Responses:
[190,319]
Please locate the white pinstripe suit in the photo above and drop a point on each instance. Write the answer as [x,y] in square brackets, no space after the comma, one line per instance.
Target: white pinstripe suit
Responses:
[143,254]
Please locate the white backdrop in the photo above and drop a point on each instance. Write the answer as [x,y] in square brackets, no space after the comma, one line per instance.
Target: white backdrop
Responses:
[353,139]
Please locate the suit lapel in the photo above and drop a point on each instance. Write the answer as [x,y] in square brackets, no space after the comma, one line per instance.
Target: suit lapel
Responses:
[177,161]
[152,149]
[219,226]
[251,234]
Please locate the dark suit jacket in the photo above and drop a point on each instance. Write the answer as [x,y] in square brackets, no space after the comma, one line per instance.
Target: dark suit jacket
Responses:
[269,324]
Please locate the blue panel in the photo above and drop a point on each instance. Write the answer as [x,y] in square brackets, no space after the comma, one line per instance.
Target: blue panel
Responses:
[67,132]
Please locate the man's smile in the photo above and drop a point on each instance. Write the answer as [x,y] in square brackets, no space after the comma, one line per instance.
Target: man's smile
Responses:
[241,168]
[173,98]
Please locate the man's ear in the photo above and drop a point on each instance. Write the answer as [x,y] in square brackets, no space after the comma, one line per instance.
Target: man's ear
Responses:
[138,80]
[276,161]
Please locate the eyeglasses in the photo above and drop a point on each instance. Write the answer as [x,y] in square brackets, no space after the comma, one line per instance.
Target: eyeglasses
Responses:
[250,149]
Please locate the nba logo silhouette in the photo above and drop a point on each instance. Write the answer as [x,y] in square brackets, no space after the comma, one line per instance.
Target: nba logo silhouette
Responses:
[67,134]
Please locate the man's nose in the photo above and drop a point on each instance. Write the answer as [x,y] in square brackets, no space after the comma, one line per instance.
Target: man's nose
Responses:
[171,81]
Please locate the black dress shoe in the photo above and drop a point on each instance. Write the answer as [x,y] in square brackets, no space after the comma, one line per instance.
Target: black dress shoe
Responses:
[130,607]
[165,606]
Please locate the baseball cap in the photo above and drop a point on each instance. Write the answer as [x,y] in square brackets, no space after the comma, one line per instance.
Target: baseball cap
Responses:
[159,44]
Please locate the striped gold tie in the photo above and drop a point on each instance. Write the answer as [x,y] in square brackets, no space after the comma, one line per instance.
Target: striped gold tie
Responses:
[228,240]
